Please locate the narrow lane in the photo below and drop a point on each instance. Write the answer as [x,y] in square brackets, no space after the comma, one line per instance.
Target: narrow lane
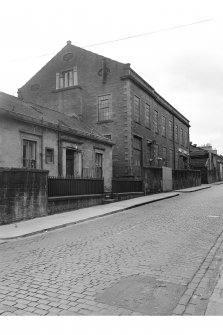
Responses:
[135,262]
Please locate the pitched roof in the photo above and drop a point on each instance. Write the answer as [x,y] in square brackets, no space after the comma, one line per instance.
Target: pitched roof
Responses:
[198,162]
[33,113]
[196,151]
[128,73]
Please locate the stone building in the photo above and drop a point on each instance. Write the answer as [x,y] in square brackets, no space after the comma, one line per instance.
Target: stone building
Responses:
[36,137]
[207,160]
[111,96]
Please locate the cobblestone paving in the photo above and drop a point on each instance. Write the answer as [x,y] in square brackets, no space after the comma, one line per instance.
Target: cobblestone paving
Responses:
[62,272]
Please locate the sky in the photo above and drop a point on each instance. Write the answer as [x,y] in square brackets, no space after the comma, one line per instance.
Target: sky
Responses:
[181,57]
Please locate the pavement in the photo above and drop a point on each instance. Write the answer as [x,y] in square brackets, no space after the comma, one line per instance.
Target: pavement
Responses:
[215,304]
[55,221]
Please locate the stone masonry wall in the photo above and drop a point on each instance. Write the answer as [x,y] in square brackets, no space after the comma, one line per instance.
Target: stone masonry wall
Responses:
[23,194]
[82,99]
[186,178]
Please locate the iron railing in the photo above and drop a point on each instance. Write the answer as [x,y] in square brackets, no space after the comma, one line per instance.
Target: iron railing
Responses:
[60,187]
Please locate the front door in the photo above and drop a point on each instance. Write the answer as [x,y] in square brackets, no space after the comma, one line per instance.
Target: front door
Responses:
[69,163]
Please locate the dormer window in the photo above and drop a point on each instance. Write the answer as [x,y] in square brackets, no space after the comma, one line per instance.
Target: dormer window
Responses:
[67,78]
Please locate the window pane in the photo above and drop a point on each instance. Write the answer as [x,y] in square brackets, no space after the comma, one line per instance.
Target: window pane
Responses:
[137,143]
[49,155]
[98,164]
[155,121]
[147,115]
[181,136]
[176,134]
[170,130]
[137,109]
[164,156]
[29,154]
[171,158]
[104,107]
[163,126]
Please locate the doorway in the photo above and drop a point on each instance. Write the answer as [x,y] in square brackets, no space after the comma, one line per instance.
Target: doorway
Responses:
[69,163]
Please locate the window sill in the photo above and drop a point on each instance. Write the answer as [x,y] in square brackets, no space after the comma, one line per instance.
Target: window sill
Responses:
[67,88]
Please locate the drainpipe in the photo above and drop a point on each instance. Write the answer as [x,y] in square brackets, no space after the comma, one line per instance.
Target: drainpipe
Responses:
[174,146]
[59,150]
[42,145]
[188,144]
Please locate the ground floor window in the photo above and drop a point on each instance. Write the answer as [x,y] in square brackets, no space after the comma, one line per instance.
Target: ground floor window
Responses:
[49,155]
[164,156]
[98,164]
[29,154]
[171,160]
[137,155]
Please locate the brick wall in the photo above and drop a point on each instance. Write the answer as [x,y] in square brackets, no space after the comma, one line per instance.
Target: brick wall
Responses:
[23,194]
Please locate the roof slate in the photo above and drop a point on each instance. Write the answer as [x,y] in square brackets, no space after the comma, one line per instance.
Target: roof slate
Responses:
[31,112]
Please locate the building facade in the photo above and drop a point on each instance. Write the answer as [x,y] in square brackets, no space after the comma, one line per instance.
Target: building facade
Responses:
[109,95]
[208,162]
[35,137]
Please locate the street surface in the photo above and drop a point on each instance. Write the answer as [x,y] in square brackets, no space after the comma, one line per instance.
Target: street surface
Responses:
[155,259]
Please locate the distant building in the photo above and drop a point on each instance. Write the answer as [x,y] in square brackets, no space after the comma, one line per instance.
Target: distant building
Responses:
[208,162]
[36,137]
[209,148]
[146,129]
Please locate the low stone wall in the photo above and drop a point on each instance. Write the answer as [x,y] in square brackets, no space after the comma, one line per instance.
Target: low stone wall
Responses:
[68,203]
[23,194]
[186,178]
[208,177]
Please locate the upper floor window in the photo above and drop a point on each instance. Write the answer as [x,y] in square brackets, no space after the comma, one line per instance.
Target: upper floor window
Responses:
[137,109]
[147,116]
[67,78]
[156,155]
[176,133]
[156,122]
[137,151]
[181,136]
[185,139]
[163,126]
[170,130]
[29,154]
[104,108]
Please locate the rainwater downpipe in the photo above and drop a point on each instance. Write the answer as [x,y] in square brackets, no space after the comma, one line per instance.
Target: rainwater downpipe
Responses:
[174,146]
[58,149]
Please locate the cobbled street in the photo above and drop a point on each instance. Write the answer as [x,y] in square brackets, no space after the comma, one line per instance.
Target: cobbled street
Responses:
[138,262]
